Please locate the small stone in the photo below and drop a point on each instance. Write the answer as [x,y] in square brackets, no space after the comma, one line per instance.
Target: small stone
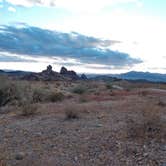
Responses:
[163,148]
[99,125]
[39,134]
[164,164]
[76,158]
[52,146]
[19,156]
[145,154]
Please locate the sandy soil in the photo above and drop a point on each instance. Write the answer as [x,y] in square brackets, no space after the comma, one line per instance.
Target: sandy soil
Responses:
[100,136]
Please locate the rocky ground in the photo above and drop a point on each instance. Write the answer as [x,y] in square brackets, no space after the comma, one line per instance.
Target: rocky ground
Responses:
[119,127]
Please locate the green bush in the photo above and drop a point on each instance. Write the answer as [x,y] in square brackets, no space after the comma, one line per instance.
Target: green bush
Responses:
[38,95]
[43,95]
[83,99]
[109,86]
[28,109]
[71,113]
[79,89]
[9,91]
[56,96]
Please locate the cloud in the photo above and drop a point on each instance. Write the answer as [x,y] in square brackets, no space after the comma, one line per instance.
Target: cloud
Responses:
[30,3]
[11,9]
[7,57]
[36,42]
[92,6]
[73,5]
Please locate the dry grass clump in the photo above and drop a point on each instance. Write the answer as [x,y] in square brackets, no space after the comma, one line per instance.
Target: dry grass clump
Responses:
[27,109]
[149,126]
[83,99]
[80,89]
[13,92]
[42,95]
[109,86]
[143,93]
[71,112]
[3,159]
[38,95]
[56,96]
[161,103]
[9,91]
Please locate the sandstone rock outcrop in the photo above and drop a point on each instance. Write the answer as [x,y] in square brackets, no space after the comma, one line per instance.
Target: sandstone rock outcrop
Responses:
[69,73]
[50,75]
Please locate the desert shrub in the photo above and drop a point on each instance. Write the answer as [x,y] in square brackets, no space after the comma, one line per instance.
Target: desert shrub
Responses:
[9,91]
[97,93]
[56,96]
[150,126]
[43,95]
[28,108]
[80,89]
[143,93]
[161,103]
[83,99]
[13,92]
[71,113]
[38,95]
[109,86]
[3,97]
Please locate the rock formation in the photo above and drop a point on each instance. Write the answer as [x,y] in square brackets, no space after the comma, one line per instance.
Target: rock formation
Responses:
[50,75]
[45,75]
[83,77]
[69,73]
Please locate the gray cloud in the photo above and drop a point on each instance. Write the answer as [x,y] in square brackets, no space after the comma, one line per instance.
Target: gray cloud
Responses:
[35,42]
[29,3]
[5,57]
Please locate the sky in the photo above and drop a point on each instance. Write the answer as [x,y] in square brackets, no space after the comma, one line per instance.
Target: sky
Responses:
[88,36]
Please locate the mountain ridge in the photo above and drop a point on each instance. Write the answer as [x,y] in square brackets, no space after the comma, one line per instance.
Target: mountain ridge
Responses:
[131,75]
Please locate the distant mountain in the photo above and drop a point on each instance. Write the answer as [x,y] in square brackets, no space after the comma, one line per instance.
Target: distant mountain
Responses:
[17,73]
[14,73]
[133,75]
[1,71]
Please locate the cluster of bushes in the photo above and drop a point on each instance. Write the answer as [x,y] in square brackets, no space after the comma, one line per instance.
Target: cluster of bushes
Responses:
[109,86]
[40,95]
[21,94]
[9,91]
[80,89]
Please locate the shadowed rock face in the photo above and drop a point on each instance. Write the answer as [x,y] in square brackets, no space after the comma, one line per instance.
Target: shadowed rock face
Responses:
[50,75]
[69,73]
[49,71]
[84,77]
[63,70]
[45,75]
